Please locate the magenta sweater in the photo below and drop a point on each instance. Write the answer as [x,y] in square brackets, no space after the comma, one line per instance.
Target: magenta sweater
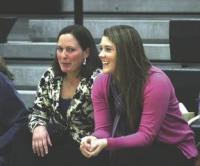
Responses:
[161,118]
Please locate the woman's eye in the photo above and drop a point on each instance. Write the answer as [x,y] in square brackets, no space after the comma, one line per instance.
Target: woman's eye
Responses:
[67,49]
[99,48]
[108,49]
[70,49]
[59,49]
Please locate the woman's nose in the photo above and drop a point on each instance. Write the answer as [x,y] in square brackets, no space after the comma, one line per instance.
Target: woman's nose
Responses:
[102,54]
[65,52]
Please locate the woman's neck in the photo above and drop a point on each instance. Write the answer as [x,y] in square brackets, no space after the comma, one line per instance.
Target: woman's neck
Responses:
[71,79]
[69,86]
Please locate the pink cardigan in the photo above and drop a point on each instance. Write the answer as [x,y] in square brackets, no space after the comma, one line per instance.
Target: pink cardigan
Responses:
[161,118]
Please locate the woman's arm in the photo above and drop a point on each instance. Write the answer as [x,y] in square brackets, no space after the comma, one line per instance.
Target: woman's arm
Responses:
[40,116]
[41,108]
[102,117]
[13,113]
[156,99]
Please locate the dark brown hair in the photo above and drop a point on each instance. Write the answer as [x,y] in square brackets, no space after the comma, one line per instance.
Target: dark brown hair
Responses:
[132,68]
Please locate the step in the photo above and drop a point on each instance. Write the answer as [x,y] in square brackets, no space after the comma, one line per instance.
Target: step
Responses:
[27,76]
[27,50]
[136,6]
[151,31]
[46,50]
[27,97]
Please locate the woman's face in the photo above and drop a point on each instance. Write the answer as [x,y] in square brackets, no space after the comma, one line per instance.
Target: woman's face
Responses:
[107,55]
[70,54]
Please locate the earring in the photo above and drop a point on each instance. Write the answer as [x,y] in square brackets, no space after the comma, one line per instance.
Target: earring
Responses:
[84,62]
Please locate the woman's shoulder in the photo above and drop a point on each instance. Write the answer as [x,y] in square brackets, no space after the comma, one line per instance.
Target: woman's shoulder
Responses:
[2,76]
[156,73]
[102,77]
[102,80]
[100,87]
[7,86]
[157,78]
[154,69]
[49,74]
[48,78]
[4,80]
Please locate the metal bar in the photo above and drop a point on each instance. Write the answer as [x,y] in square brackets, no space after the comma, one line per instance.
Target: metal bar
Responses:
[78,12]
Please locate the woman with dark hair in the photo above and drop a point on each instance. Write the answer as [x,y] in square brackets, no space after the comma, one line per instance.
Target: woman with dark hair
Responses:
[13,113]
[62,111]
[137,116]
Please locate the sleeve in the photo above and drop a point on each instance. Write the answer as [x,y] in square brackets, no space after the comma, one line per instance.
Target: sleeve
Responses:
[10,102]
[103,123]
[13,113]
[41,108]
[156,99]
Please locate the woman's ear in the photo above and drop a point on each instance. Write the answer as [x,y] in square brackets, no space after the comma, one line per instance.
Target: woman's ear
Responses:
[86,52]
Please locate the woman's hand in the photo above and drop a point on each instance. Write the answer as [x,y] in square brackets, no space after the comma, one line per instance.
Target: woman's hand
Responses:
[91,146]
[40,141]
[85,146]
[97,146]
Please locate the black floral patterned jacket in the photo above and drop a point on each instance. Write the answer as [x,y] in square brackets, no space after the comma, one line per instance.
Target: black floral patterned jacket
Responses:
[79,116]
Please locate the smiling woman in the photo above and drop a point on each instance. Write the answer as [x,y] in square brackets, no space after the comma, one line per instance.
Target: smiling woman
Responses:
[137,115]
[107,55]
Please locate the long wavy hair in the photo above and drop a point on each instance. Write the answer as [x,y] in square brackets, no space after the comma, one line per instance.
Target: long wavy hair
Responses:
[4,69]
[131,70]
[85,39]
